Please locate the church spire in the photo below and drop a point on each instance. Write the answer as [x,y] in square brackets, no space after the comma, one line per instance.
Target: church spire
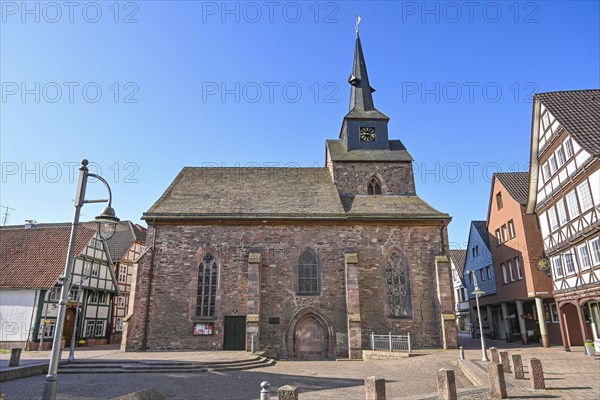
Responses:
[364,127]
[361,98]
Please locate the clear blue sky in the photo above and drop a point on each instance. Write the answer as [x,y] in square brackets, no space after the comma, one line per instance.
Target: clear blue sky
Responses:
[192,83]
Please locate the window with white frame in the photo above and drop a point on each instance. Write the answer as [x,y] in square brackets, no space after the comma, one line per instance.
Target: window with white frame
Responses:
[89,328]
[504,273]
[73,294]
[54,294]
[102,298]
[498,236]
[584,256]
[122,273]
[49,326]
[519,268]
[475,251]
[572,204]
[560,156]
[595,245]
[553,165]
[510,270]
[511,229]
[558,269]
[546,171]
[488,269]
[504,233]
[585,197]
[552,219]
[95,269]
[569,148]
[482,274]
[562,213]
[119,324]
[93,299]
[121,302]
[99,331]
[569,263]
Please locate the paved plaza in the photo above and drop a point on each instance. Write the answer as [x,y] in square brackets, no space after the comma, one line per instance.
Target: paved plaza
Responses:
[568,375]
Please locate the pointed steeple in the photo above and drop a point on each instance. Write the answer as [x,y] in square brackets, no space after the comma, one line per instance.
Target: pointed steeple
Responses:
[364,127]
[361,98]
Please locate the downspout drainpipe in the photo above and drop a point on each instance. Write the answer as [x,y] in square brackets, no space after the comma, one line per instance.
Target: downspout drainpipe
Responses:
[33,311]
[149,295]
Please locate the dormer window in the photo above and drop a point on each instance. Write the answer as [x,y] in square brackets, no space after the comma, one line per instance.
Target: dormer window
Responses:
[374,186]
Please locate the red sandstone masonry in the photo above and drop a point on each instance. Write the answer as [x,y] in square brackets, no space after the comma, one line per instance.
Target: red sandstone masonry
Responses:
[170,326]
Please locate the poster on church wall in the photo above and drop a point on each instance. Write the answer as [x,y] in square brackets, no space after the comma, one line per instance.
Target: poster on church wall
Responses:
[203,329]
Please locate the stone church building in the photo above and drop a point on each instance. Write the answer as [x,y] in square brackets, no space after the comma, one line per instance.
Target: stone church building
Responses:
[303,262]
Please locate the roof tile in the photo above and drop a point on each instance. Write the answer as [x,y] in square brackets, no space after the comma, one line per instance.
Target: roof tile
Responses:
[34,258]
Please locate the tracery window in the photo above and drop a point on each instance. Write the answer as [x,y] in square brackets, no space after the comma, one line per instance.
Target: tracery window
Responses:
[308,273]
[207,286]
[374,186]
[398,286]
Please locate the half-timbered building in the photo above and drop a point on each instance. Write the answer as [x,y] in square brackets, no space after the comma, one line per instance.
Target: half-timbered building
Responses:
[126,248]
[565,193]
[32,259]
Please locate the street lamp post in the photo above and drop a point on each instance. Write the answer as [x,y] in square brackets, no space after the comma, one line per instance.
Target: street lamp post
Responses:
[106,221]
[478,292]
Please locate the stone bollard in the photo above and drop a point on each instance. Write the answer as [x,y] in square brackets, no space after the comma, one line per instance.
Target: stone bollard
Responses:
[505,361]
[494,352]
[497,383]
[446,384]
[517,366]
[288,392]
[264,391]
[374,388]
[15,357]
[536,374]
[462,353]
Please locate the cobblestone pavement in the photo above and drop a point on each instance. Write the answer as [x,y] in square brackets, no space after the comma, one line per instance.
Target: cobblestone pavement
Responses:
[316,380]
[568,376]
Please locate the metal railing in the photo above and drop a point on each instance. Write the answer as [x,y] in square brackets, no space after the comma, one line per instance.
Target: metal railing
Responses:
[391,342]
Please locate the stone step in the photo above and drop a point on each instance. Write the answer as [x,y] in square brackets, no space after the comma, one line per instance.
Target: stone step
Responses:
[138,367]
[153,365]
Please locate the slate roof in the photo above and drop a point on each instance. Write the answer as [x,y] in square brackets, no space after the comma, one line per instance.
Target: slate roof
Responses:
[481,227]
[249,193]
[121,241]
[397,152]
[458,258]
[33,258]
[516,183]
[274,193]
[390,206]
[578,111]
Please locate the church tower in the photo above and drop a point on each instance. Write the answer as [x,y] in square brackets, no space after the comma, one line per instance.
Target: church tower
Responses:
[364,161]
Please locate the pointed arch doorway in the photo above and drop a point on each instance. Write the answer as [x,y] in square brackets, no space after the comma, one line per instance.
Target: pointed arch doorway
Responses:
[309,341]
[310,337]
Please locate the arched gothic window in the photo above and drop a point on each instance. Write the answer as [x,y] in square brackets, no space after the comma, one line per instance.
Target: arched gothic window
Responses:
[308,273]
[398,286]
[374,186]
[207,286]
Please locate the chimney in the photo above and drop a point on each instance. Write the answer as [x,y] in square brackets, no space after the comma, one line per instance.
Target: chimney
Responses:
[30,223]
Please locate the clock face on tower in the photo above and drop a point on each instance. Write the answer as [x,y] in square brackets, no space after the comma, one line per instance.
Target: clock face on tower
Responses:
[367,134]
